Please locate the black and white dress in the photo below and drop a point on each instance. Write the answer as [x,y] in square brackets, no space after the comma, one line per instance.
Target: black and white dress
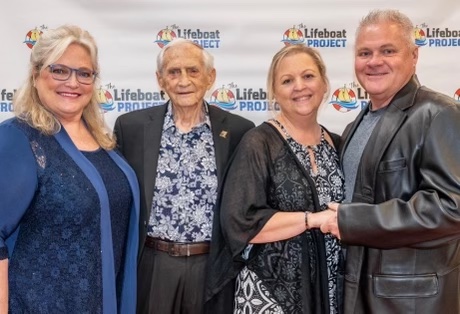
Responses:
[253,294]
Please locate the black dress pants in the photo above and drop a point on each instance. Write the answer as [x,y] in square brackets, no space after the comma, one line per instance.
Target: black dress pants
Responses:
[170,284]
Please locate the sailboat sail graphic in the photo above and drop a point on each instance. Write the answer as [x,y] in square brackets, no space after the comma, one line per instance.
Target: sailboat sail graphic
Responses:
[344,99]
[343,95]
[31,37]
[420,37]
[101,97]
[34,35]
[224,98]
[222,95]
[293,35]
[166,35]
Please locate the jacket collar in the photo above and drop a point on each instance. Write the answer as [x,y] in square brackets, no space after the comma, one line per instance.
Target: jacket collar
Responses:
[403,100]
[381,137]
[221,136]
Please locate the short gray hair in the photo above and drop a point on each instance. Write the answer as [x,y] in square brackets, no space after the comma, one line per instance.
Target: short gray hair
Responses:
[390,16]
[208,59]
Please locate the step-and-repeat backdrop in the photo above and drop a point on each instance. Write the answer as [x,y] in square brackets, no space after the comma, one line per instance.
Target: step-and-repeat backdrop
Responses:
[243,35]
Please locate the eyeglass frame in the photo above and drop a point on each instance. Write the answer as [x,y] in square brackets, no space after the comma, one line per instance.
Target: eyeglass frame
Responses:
[51,66]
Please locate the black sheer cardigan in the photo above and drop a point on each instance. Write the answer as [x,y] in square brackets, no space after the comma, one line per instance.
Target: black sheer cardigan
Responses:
[264,176]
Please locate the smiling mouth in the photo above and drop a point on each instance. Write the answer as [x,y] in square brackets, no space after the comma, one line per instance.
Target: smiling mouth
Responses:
[302,98]
[65,94]
[376,74]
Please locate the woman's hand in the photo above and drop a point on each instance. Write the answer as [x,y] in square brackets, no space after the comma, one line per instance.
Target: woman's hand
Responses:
[331,224]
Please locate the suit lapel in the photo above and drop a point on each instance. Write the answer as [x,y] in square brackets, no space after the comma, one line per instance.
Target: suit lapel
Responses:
[382,135]
[152,142]
[221,136]
[380,138]
[384,132]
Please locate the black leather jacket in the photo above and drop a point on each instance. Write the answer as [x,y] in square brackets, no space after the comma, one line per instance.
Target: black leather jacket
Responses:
[403,227]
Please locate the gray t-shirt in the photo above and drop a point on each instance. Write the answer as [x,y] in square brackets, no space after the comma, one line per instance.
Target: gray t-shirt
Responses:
[353,153]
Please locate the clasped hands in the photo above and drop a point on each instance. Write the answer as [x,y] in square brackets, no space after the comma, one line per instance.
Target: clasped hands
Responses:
[328,220]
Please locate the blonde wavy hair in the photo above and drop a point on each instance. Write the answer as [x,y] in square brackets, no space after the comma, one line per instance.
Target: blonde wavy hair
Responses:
[48,49]
[289,51]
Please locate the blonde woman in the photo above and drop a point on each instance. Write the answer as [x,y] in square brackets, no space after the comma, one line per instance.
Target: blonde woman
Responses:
[270,251]
[68,201]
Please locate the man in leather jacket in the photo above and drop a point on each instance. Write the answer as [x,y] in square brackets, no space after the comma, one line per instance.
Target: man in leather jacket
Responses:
[401,158]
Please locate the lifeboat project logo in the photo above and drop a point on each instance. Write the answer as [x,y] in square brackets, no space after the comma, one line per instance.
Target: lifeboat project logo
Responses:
[206,39]
[349,97]
[344,99]
[105,98]
[126,100]
[293,36]
[33,35]
[111,98]
[436,36]
[164,36]
[315,37]
[232,97]
[224,98]
[420,37]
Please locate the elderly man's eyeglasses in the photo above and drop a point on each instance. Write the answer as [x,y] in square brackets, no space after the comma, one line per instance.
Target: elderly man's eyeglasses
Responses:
[62,72]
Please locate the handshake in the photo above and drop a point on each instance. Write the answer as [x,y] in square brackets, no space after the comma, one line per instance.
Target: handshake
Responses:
[326,220]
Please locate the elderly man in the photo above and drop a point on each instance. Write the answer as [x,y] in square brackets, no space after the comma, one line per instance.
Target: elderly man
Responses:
[401,215]
[179,151]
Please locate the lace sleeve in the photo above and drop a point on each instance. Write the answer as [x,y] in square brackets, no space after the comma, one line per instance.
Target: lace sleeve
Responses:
[18,181]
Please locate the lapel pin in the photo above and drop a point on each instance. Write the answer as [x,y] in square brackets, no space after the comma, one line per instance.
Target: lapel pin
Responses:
[223,134]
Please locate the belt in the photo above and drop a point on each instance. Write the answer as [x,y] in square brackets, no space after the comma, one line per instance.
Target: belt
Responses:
[177,248]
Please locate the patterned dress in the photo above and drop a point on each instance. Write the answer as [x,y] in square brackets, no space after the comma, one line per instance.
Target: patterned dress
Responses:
[252,295]
[56,227]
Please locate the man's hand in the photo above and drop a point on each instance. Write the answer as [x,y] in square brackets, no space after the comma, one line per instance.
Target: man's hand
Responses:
[331,225]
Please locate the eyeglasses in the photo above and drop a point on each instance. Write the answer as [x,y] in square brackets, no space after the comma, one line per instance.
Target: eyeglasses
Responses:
[62,72]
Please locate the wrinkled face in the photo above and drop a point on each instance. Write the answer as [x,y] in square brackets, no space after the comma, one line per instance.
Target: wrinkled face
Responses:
[384,61]
[184,76]
[66,99]
[298,86]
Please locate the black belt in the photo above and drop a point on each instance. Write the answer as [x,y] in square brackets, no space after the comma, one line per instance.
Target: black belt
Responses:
[177,248]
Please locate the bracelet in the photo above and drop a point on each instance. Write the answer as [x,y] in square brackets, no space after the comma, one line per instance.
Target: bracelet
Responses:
[306,219]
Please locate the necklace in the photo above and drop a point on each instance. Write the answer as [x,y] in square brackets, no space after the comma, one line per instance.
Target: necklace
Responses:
[287,135]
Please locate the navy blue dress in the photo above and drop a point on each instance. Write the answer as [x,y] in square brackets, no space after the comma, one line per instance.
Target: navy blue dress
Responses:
[66,252]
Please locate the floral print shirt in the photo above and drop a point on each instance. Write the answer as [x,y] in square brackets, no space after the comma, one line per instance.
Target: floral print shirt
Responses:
[186,183]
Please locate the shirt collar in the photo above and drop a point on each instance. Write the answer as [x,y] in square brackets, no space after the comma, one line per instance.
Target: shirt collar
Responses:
[169,118]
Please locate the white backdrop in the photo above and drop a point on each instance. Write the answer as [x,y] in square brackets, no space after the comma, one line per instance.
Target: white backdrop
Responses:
[242,35]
